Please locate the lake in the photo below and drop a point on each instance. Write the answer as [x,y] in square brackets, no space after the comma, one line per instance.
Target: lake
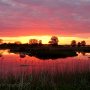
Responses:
[17,64]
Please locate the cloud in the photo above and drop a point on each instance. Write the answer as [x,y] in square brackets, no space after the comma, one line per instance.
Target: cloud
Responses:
[68,17]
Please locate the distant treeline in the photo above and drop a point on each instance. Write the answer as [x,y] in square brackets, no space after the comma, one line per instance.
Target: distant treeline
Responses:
[45,51]
[53,41]
[27,47]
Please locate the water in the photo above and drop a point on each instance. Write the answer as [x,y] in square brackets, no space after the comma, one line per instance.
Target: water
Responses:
[16,64]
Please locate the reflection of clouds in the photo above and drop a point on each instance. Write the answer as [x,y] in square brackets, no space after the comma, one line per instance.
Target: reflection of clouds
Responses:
[88,55]
[83,56]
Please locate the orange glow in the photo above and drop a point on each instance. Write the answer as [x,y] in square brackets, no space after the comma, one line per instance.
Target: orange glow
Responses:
[4,52]
[45,39]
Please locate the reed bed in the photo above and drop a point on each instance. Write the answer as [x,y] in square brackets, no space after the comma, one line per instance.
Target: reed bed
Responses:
[47,81]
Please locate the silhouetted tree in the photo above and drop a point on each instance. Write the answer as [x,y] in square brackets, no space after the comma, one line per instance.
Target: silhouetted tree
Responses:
[40,42]
[33,41]
[79,44]
[83,43]
[17,42]
[73,43]
[1,41]
[54,40]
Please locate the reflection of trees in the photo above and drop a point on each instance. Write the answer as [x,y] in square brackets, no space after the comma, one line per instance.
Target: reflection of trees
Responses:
[22,55]
[51,54]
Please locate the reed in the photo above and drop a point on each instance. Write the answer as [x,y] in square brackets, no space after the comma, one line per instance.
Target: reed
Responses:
[47,81]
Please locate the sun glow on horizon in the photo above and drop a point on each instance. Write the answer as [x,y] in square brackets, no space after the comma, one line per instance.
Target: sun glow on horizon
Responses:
[45,39]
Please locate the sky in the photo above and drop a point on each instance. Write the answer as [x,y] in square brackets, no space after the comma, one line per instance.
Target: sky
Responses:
[64,18]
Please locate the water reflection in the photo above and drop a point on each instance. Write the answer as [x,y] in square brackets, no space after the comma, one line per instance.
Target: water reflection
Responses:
[45,55]
[21,63]
[22,55]
[0,54]
[83,53]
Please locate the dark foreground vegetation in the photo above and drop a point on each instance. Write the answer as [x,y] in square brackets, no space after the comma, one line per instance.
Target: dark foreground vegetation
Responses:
[47,81]
[27,47]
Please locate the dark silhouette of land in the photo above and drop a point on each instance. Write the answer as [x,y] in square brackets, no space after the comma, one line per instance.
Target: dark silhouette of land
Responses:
[46,51]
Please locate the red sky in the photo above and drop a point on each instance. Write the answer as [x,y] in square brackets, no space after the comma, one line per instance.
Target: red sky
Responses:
[69,18]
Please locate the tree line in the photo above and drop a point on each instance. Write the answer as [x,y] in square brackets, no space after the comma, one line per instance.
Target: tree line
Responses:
[53,41]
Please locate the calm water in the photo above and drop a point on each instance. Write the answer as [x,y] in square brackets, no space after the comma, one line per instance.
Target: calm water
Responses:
[16,64]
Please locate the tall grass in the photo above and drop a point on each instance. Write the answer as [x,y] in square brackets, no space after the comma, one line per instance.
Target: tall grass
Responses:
[47,81]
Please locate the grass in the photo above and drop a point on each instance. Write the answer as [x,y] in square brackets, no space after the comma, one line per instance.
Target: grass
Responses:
[47,81]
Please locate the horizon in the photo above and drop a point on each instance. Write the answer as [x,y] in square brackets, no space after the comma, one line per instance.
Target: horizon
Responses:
[45,39]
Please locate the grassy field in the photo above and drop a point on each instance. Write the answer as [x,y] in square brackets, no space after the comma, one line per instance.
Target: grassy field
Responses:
[47,81]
